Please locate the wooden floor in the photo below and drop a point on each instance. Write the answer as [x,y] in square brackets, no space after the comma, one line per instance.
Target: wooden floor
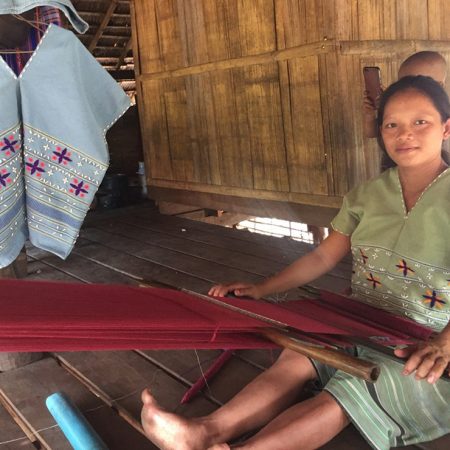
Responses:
[133,246]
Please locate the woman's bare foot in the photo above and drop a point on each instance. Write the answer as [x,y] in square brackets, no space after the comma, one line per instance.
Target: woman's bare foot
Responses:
[172,432]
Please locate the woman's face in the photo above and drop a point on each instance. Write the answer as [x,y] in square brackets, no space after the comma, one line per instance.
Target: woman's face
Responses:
[412,130]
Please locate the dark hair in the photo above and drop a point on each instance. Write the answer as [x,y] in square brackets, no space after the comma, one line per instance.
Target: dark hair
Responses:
[425,86]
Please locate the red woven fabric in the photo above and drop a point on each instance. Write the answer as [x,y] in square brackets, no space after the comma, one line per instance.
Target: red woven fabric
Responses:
[49,316]
[46,316]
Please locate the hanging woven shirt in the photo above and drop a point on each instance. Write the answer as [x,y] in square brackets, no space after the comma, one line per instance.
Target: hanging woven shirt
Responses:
[55,115]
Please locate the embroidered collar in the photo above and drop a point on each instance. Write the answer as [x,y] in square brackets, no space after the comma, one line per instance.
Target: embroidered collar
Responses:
[397,177]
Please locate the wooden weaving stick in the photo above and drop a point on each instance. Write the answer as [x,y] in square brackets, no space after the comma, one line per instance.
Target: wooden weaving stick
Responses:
[352,365]
[282,335]
[287,337]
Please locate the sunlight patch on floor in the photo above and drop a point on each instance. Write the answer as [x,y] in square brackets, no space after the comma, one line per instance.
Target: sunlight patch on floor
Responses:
[276,227]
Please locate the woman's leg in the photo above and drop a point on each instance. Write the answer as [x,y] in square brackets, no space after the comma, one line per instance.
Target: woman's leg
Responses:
[307,426]
[258,403]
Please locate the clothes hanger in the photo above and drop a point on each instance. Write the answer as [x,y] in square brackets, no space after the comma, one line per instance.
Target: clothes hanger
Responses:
[34,23]
[21,32]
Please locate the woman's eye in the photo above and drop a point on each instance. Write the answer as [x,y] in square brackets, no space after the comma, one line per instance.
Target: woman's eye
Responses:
[390,125]
[421,122]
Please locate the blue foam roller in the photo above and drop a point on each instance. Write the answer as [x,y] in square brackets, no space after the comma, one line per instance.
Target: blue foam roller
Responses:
[73,424]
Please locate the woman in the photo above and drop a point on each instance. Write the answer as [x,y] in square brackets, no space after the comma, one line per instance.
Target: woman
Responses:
[397,227]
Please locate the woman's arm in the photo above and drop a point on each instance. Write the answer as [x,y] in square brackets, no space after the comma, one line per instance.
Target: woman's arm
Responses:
[307,268]
[369,117]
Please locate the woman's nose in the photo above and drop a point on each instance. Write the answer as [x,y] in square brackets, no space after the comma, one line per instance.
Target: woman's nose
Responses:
[404,132]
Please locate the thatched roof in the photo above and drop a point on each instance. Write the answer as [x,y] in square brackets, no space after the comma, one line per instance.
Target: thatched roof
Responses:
[109,36]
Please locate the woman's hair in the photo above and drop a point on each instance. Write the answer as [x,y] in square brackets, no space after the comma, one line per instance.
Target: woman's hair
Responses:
[425,86]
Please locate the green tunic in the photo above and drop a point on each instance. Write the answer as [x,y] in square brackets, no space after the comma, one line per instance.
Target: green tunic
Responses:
[401,263]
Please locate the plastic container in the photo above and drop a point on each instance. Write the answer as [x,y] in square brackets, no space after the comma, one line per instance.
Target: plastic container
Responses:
[73,424]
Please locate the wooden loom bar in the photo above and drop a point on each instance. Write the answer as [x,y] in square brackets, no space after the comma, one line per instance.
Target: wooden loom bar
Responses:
[354,366]
[280,335]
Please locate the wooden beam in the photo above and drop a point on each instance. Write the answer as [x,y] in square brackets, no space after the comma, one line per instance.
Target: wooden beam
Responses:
[116,28]
[369,47]
[300,51]
[383,47]
[108,48]
[122,75]
[89,37]
[100,14]
[311,199]
[103,25]
[124,54]
[306,213]
[107,60]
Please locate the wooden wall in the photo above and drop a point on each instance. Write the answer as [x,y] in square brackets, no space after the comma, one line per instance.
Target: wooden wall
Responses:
[256,104]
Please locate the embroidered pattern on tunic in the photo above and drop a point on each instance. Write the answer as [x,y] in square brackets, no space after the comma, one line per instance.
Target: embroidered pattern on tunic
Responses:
[401,285]
[404,268]
[61,182]
[374,280]
[12,217]
[433,300]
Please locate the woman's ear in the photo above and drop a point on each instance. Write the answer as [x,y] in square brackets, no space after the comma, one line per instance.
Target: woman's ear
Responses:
[447,129]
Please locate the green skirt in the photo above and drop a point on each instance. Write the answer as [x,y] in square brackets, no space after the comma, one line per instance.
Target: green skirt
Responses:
[395,411]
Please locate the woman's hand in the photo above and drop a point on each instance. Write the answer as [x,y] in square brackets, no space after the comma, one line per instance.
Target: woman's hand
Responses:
[238,289]
[428,359]
[369,107]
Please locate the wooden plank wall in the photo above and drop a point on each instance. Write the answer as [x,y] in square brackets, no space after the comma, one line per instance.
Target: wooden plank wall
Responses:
[262,98]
